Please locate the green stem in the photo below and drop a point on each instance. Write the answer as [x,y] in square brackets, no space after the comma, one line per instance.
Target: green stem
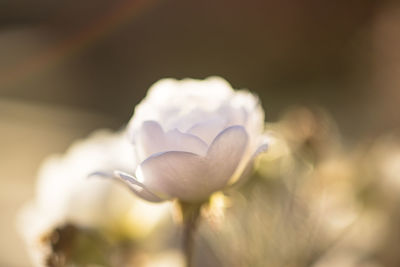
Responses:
[191,215]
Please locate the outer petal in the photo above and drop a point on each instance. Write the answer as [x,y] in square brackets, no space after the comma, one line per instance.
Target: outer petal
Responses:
[138,188]
[176,174]
[133,184]
[226,153]
[248,166]
[191,177]
[152,140]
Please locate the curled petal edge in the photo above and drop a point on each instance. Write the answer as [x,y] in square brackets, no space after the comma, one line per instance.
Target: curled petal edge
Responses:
[133,184]
[249,165]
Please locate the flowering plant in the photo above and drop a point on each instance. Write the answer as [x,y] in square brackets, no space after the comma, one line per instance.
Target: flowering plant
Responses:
[193,138]
[311,200]
[186,140]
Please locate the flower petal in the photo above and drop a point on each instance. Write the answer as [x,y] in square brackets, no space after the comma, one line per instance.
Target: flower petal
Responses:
[133,184]
[191,177]
[169,100]
[176,174]
[178,141]
[152,140]
[149,139]
[252,106]
[138,188]
[248,167]
[226,153]
[209,129]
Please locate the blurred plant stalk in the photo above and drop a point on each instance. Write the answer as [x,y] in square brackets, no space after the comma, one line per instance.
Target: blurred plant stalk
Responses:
[190,220]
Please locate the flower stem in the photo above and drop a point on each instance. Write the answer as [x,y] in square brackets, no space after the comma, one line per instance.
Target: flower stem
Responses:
[191,215]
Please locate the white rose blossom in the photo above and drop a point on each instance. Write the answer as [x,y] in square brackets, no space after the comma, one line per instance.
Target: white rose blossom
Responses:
[65,194]
[193,138]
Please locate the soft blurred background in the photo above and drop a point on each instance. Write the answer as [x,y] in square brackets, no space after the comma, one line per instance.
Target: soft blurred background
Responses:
[69,67]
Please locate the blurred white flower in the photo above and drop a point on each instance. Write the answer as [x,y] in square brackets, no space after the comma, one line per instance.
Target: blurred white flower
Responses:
[193,138]
[65,194]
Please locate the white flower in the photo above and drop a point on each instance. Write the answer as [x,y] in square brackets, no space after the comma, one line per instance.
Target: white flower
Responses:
[65,194]
[193,138]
